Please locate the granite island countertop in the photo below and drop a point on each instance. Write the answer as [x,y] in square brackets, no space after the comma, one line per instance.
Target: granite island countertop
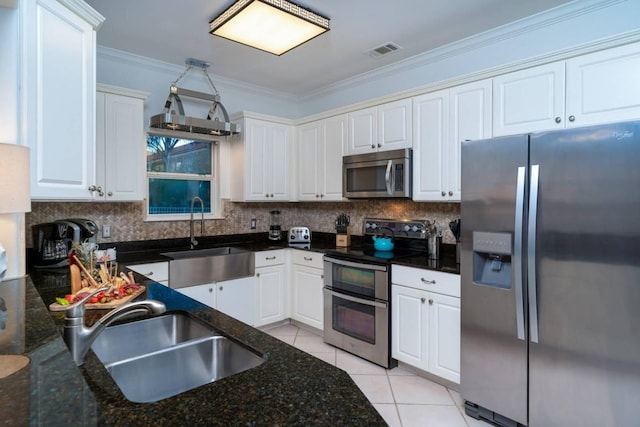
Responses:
[290,388]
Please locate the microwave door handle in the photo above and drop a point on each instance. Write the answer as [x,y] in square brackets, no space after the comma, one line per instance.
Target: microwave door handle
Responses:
[388,178]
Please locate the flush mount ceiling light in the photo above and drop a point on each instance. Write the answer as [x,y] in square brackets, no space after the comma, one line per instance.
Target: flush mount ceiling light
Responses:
[275,26]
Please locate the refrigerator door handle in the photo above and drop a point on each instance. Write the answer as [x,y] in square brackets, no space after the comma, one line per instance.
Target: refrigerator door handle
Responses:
[517,251]
[531,253]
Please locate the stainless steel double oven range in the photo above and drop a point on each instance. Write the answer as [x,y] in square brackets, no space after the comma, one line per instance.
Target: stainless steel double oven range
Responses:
[357,289]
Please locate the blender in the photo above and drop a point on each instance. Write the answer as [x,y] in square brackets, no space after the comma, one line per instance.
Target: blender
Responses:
[275,231]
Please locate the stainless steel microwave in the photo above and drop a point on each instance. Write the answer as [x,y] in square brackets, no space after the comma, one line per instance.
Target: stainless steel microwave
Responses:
[384,174]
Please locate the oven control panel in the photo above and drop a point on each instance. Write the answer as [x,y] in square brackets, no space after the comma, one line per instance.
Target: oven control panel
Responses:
[407,228]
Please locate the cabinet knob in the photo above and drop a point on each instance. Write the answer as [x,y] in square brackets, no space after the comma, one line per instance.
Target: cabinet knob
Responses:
[379,145]
[322,276]
[210,290]
[430,301]
[423,299]
[443,194]
[220,288]
[317,195]
[427,282]
[558,119]
[110,193]
[572,118]
[92,188]
[321,196]
[450,193]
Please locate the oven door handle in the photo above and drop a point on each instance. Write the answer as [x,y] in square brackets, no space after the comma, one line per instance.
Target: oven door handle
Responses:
[354,299]
[356,264]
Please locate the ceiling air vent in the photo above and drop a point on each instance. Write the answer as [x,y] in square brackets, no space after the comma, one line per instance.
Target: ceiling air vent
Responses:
[384,49]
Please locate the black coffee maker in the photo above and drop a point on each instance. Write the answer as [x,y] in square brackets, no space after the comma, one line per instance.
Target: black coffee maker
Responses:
[52,241]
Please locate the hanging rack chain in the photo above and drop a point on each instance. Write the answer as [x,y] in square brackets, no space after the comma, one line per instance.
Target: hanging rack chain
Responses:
[184,73]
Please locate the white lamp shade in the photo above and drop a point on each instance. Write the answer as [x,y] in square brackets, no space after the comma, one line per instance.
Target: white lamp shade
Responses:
[15,191]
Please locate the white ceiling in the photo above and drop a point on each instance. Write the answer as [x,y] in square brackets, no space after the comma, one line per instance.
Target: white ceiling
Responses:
[173,30]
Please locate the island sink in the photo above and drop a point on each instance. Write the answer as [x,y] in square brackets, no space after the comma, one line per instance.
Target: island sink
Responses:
[138,355]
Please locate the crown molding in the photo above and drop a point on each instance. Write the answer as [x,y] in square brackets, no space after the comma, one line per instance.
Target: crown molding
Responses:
[508,31]
[169,68]
[81,8]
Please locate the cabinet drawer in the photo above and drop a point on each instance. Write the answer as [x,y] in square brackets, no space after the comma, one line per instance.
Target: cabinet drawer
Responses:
[310,259]
[427,280]
[158,271]
[265,258]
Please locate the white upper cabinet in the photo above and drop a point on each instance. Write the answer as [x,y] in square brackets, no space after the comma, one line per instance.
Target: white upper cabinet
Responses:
[320,146]
[260,162]
[120,144]
[380,128]
[441,121]
[604,87]
[529,100]
[59,88]
[591,89]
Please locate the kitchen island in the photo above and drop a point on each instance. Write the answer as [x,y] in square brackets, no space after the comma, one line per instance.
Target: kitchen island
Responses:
[290,388]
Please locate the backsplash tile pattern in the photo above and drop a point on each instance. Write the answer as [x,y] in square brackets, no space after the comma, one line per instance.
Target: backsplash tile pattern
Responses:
[127,218]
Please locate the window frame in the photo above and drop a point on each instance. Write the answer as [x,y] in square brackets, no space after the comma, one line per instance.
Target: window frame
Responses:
[213,178]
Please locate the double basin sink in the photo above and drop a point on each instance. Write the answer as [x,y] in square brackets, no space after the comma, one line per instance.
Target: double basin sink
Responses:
[159,357]
[163,356]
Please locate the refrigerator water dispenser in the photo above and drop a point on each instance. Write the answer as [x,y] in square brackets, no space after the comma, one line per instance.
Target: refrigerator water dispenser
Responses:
[492,259]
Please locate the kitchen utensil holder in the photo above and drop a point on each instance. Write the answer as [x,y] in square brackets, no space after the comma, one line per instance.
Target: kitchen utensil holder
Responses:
[343,240]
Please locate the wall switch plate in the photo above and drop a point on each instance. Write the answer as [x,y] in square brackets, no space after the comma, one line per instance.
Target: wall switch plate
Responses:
[253,223]
[106,230]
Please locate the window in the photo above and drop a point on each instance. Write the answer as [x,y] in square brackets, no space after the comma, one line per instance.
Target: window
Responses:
[177,171]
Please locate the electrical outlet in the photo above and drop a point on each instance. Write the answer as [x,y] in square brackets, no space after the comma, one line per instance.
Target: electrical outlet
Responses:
[106,230]
[253,223]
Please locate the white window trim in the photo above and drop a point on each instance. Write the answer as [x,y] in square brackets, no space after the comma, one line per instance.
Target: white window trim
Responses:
[216,201]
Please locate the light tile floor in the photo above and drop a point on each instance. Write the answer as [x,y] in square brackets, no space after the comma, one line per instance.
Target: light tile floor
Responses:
[401,397]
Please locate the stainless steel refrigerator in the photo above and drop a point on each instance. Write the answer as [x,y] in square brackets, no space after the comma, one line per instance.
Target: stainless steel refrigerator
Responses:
[550,270]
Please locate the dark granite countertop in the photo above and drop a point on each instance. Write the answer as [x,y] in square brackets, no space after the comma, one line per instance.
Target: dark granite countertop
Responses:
[290,388]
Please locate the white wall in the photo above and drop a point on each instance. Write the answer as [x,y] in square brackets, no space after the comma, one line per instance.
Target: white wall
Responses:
[559,32]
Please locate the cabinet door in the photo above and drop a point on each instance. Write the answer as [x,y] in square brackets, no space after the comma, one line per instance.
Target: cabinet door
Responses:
[603,87]
[394,125]
[258,154]
[307,296]
[363,131]
[277,171]
[120,143]
[409,326]
[60,101]
[469,119]
[335,139]
[236,298]
[206,294]
[270,294]
[444,336]
[310,143]
[529,100]
[431,133]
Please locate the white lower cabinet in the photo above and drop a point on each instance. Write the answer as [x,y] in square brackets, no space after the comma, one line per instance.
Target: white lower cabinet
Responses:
[308,281]
[425,324]
[271,287]
[235,298]
[157,271]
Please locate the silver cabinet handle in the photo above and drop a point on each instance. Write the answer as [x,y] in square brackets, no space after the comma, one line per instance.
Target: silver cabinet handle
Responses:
[148,274]
[558,119]
[451,193]
[270,258]
[221,288]
[517,250]
[110,193]
[430,301]
[257,274]
[531,253]
[317,195]
[443,194]
[427,282]
[373,146]
[210,290]
[422,300]
[379,145]
[92,188]
[572,118]
[307,258]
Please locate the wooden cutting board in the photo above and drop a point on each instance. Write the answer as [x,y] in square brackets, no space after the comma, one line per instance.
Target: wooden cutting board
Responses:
[98,306]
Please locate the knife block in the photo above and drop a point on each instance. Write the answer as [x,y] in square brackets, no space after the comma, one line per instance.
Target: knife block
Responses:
[343,240]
